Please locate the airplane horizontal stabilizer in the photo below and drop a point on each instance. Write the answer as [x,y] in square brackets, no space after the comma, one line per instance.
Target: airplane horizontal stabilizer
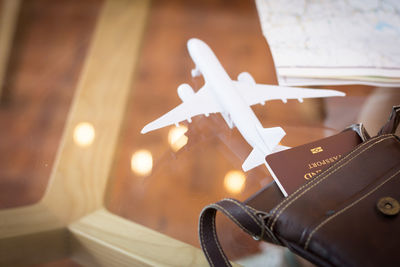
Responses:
[255,158]
[271,136]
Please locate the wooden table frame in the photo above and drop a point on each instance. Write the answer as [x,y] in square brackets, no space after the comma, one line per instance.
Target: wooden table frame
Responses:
[9,10]
[70,220]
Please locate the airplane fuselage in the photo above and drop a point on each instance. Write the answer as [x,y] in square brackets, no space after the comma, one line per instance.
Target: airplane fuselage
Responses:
[233,99]
[225,93]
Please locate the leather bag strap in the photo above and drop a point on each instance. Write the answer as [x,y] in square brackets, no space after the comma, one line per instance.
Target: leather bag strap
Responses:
[248,219]
[392,123]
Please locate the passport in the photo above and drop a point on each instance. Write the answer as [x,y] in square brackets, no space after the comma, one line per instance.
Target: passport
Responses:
[293,167]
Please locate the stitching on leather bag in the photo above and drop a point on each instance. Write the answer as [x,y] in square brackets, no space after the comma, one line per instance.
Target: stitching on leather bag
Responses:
[326,175]
[202,239]
[248,213]
[253,209]
[322,179]
[263,227]
[216,239]
[234,219]
[326,171]
[269,233]
[216,206]
[346,208]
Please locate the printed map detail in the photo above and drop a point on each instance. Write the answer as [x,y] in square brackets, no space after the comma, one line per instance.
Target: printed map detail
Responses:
[334,38]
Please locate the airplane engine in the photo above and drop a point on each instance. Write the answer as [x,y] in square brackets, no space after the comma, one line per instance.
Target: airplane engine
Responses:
[185,92]
[246,78]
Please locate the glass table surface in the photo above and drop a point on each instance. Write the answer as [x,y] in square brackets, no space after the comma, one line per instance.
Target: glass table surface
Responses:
[164,178]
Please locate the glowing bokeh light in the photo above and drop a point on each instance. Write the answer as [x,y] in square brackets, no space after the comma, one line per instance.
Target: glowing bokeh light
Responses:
[234,181]
[84,134]
[142,162]
[177,138]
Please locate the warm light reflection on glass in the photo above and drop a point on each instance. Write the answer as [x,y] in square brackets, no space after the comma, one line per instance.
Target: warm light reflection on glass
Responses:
[234,181]
[177,138]
[84,134]
[142,162]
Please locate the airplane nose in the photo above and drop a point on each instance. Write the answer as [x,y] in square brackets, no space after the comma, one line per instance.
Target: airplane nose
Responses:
[198,49]
[193,43]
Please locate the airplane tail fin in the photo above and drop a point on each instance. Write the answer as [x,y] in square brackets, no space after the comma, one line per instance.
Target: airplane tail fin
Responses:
[255,158]
[271,137]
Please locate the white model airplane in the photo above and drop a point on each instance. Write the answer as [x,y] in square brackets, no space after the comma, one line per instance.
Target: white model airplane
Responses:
[233,100]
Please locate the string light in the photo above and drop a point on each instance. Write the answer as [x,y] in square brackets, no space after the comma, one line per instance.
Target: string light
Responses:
[142,162]
[84,134]
[234,181]
[177,138]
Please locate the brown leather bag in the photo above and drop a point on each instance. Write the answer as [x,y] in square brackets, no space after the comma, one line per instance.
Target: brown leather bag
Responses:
[346,216]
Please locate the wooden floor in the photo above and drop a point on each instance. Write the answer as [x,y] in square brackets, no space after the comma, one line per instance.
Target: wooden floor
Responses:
[47,54]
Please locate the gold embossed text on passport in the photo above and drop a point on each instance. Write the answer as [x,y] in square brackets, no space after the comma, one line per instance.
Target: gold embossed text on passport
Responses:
[316,150]
[316,166]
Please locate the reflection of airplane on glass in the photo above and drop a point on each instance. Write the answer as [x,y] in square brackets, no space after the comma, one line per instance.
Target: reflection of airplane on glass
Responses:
[233,100]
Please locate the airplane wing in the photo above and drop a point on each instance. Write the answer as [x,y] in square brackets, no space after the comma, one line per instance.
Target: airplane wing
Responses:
[259,93]
[201,102]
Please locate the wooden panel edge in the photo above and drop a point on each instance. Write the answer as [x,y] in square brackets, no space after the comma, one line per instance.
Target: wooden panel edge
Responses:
[105,239]
[30,235]
[8,21]
[80,173]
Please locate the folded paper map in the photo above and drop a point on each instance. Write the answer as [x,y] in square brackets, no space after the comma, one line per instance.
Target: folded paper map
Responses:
[333,42]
